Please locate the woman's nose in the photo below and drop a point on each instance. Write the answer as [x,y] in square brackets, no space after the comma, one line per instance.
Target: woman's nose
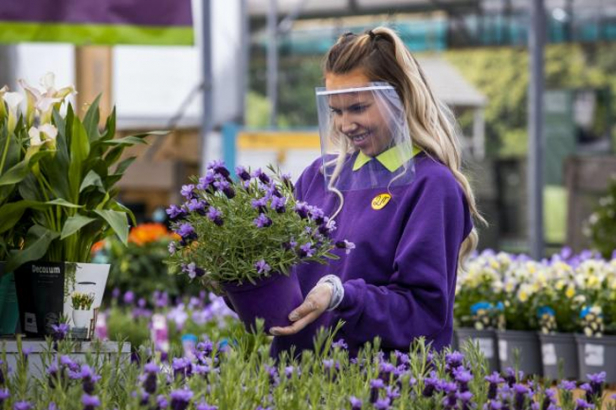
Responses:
[346,125]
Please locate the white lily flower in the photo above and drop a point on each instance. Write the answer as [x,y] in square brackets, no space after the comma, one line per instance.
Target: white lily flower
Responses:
[35,137]
[50,132]
[12,100]
[45,106]
[33,95]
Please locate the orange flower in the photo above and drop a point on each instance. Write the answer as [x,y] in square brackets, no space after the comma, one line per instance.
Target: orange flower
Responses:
[97,247]
[148,232]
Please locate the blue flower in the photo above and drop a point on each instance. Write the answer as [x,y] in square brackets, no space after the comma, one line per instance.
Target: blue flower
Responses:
[262,266]
[545,310]
[262,221]
[480,306]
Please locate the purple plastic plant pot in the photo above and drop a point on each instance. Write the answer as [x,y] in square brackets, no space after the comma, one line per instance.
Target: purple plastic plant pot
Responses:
[271,298]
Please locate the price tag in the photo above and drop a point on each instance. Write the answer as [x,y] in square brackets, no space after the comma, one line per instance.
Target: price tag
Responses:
[486,346]
[593,355]
[502,350]
[549,354]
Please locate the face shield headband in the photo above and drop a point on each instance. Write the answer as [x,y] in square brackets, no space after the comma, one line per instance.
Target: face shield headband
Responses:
[365,139]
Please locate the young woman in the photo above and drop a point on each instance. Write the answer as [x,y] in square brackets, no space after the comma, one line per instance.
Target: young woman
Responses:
[395,192]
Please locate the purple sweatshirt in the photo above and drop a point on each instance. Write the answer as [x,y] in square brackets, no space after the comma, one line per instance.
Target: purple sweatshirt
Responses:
[399,281]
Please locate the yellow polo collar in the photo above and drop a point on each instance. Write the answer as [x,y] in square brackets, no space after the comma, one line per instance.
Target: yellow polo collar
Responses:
[392,159]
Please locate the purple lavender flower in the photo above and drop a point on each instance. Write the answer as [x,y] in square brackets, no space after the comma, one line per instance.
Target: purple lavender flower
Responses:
[59,331]
[161,402]
[186,231]
[375,386]
[355,403]
[510,376]
[302,209]
[286,180]
[568,385]
[581,404]
[193,270]
[176,213]
[149,382]
[305,250]
[262,266]
[52,406]
[218,166]
[206,181]
[69,363]
[454,360]
[182,367]
[596,385]
[22,405]
[188,191]
[521,394]
[316,215]
[462,377]
[465,398]
[348,246]
[204,406]
[430,385]
[215,216]
[225,187]
[88,378]
[494,379]
[259,204]
[198,206]
[262,176]
[4,395]
[278,204]
[90,402]
[340,344]
[180,399]
[262,221]
[382,404]
[242,173]
[129,297]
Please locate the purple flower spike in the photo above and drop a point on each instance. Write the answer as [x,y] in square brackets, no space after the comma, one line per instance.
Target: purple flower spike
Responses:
[176,213]
[568,385]
[306,250]
[204,406]
[597,381]
[382,404]
[59,331]
[521,393]
[259,204]
[302,209]
[198,206]
[215,216]
[180,399]
[262,176]
[4,395]
[340,343]
[286,180]
[278,204]
[581,404]
[186,231]
[262,266]
[90,402]
[355,403]
[242,173]
[262,221]
[430,385]
[22,405]
[218,166]
[188,191]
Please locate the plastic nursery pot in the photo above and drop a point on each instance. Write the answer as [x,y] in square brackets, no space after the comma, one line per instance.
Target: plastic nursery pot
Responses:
[485,339]
[559,351]
[526,344]
[596,354]
[271,299]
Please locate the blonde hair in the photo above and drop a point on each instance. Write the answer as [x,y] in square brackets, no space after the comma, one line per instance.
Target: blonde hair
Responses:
[382,56]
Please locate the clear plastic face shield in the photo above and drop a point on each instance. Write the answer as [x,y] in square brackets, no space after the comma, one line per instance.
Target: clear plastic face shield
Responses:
[365,139]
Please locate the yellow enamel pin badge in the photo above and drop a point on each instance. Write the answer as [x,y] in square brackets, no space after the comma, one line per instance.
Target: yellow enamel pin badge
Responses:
[380,201]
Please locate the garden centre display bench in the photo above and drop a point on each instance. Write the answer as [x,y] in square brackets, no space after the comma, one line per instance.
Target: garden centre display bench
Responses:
[37,349]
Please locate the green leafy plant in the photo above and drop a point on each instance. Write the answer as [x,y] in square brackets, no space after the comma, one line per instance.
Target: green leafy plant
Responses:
[234,232]
[82,301]
[67,199]
[601,225]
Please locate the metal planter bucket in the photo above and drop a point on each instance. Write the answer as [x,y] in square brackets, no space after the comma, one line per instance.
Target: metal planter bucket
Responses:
[486,339]
[596,354]
[526,343]
[559,350]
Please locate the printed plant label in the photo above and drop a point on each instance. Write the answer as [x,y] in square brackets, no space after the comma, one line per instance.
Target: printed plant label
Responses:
[549,354]
[594,355]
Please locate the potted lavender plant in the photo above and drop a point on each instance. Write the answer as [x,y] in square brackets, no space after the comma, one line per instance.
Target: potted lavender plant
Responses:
[243,237]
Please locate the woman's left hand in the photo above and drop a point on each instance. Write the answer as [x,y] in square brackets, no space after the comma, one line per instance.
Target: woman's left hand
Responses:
[313,306]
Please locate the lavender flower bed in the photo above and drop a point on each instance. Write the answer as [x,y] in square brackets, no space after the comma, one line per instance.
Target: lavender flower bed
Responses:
[243,376]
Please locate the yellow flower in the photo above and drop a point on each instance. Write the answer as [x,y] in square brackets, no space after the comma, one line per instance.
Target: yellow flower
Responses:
[570,292]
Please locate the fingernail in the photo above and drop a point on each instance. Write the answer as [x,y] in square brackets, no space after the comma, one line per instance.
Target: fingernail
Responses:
[273,331]
[293,317]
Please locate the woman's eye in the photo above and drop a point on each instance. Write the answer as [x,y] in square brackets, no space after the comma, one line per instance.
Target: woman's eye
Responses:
[335,111]
[358,108]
